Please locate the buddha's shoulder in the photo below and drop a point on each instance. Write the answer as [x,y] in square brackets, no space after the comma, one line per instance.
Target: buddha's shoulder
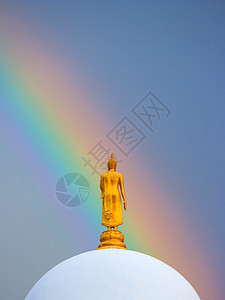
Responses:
[119,174]
[104,174]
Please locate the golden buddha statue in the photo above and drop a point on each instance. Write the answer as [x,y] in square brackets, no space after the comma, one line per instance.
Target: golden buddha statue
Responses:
[112,187]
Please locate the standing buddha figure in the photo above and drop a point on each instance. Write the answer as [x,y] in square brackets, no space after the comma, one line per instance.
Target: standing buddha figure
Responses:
[112,187]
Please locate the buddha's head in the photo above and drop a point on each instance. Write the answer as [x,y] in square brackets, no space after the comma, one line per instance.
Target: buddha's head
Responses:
[112,164]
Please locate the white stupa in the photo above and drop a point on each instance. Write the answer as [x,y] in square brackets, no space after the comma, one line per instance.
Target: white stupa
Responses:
[112,274]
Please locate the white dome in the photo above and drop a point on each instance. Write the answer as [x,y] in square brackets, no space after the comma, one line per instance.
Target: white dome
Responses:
[112,274]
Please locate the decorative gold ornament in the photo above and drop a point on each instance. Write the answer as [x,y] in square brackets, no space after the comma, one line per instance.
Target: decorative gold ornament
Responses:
[110,182]
[112,239]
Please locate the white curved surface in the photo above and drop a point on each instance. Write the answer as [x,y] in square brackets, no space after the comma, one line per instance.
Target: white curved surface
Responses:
[112,274]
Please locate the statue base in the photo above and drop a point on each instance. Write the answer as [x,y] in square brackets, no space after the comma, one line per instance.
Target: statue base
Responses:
[112,239]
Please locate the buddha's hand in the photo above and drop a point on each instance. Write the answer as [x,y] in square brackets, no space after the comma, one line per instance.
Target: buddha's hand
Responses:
[125,205]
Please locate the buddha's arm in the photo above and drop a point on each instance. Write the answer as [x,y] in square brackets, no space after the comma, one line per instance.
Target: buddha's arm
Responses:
[102,186]
[122,191]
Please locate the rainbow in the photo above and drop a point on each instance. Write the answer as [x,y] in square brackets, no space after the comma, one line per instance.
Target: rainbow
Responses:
[51,123]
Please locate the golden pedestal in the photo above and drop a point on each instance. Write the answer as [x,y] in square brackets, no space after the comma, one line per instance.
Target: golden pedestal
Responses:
[112,239]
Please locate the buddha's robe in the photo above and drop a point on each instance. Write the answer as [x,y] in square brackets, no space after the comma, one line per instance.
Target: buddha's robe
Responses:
[111,205]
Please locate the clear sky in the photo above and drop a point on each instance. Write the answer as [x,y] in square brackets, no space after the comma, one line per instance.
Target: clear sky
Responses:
[88,64]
